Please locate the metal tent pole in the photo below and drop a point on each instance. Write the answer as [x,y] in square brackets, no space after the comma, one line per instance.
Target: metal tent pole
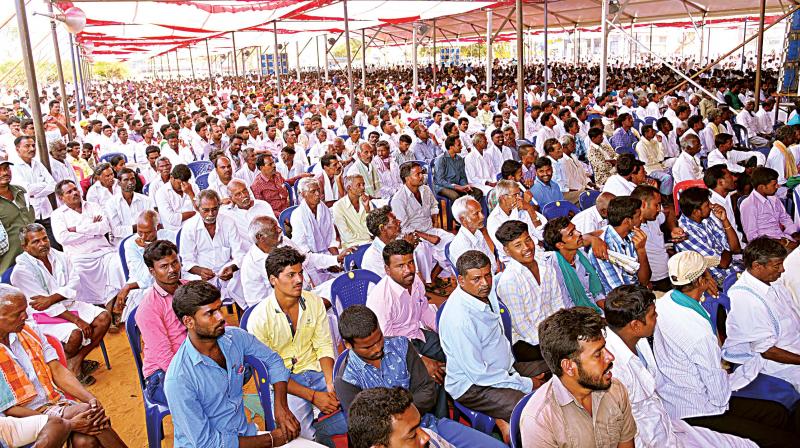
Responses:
[435,68]
[75,77]
[275,63]
[177,65]
[520,75]
[79,65]
[759,52]
[316,41]
[363,60]
[210,75]
[191,61]
[349,57]
[57,51]
[415,77]
[325,39]
[169,68]
[546,76]
[235,61]
[489,56]
[33,89]
[744,47]
[604,44]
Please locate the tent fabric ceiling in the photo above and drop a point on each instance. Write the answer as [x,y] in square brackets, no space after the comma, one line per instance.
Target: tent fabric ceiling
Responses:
[143,29]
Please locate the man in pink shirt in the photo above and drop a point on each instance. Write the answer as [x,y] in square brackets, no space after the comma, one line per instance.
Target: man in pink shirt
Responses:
[162,332]
[763,214]
[402,308]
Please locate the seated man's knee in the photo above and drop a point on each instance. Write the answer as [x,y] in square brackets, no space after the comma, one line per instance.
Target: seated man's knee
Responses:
[84,441]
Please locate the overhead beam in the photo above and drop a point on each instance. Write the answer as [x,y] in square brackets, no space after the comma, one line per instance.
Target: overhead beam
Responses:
[503,24]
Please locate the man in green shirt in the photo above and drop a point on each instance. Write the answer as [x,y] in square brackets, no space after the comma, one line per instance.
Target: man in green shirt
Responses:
[15,213]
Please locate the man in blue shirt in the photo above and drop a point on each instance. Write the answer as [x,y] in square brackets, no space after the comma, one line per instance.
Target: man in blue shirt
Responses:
[544,189]
[204,381]
[624,139]
[480,371]
[425,148]
[394,362]
[450,175]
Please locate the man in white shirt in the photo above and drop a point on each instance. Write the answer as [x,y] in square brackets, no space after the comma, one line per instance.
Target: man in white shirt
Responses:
[763,323]
[31,175]
[211,248]
[687,165]
[125,146]
[652,220]
[721,182]
[248,170]
[468,213]
[244,208]
[752,124]
[312,226]
[81,227]
[630,312]
[630,173]
[175,198]
[105,185]
[512,204]
[781,159]
[59,167]
[691,381]
[546,132]
[124,207]
[593,219]
[48,280]
[222,175]
[479,169]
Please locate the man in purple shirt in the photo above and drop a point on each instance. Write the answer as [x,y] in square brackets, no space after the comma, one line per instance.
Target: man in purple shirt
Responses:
[162,332]
[763,213]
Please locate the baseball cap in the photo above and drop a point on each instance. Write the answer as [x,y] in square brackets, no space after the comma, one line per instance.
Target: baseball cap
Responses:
[686,267]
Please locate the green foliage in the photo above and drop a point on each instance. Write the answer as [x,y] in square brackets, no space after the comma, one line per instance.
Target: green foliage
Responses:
[110,70]
[13,72]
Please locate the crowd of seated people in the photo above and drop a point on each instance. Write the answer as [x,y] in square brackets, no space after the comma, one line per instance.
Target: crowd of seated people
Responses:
[564,258]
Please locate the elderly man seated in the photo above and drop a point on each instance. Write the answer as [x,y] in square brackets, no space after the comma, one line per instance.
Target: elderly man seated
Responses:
[175,198]
[125,206]
[80,227]
[363,165]
[220,178]
[35,380]
[513,204]
[350,212]
[244,208]
[469,214]
[312,226]
[211,248]
[46,277]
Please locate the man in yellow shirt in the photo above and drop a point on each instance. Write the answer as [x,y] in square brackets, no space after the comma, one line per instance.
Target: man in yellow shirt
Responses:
[294,324]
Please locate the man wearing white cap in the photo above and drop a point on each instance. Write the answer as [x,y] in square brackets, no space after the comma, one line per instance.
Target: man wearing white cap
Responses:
[690,378]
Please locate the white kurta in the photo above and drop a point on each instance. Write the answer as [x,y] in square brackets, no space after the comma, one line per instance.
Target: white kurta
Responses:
[199,249]
[33,279]
[416,216]
[122,216]
[762,316]
[100,195]
[95,260]
[655,427]
[243,218]
[171,205]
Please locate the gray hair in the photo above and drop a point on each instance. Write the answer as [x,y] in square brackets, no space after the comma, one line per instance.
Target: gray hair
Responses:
[688,141]
[206,194]
[349,179]
[161,159]
[149,215]
[247,150]
[30,228]
[6,291]
[459,207]
[305,184]
[504,187]
[567,139]
[712,114]
[478,137]
[235,182]
[263,227]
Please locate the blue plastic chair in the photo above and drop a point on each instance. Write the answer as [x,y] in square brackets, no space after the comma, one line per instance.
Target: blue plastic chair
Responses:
[154,413]
[588,198]
[109,156]
[178,240]
[200,167]
[6,278]
[245,316]
[292,190]
[146,190]
[637,123]
[285,216]
[765,387]
[261,377]
[439,198]
[650,120]
[557,209]
[311,168]
[447,255]
[122,260]
[592,117]
[353,260]
[340,361]
[516,414]
[202,181]
[351,288]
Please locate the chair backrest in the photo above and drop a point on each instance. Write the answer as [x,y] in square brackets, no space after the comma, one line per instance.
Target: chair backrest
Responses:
[353,260]
[680,187]
[107,157]
[202,181]
[340,362]
[122,260]
[592,117]
[729,281]
[447,255]
[588,198]
[351,288]
[245,316]
[285,216]
[6,278]
[135,341]
[516,414]
[200,167]
[146,189]
[178,239]
[311,168]
[557,209]
[650,120]
[505,317]
[292,190]
[261,377]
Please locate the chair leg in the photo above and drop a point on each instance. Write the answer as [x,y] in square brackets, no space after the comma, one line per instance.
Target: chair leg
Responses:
[155,430]
[105,354]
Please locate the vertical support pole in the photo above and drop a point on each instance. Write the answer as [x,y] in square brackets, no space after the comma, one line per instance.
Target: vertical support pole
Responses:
[169,68]
[325,37]
[210,74]
[177,65]
[578,53]
[489,55]
[415,76]
[435,68]
[520,75]
[350,57]
[316,41]
[191,61]
[702,39]
[650,47]
[80,72]
[297,50]
[604,44]
[75,77]
[576,44]
[744,47]
[235,62]
[363,60]
[33,89]
[759,52]
[61,85]
[632,46]
[276,66]
[546,36]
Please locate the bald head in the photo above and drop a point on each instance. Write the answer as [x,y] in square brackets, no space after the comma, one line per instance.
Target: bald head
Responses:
[13,307]
[602,203]
[10,296]
[148,218]
[265,232]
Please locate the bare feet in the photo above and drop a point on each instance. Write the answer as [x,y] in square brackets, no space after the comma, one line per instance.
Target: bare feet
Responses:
[505,430]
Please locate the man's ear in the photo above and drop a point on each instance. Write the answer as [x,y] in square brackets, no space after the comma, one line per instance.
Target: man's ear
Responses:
[569,367]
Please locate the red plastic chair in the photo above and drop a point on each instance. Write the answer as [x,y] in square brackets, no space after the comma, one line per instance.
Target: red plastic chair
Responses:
[62,356]
[680,187]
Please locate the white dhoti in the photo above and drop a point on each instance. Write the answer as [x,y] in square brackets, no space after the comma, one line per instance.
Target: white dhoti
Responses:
[62,331]
[438,250]
[100,276]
